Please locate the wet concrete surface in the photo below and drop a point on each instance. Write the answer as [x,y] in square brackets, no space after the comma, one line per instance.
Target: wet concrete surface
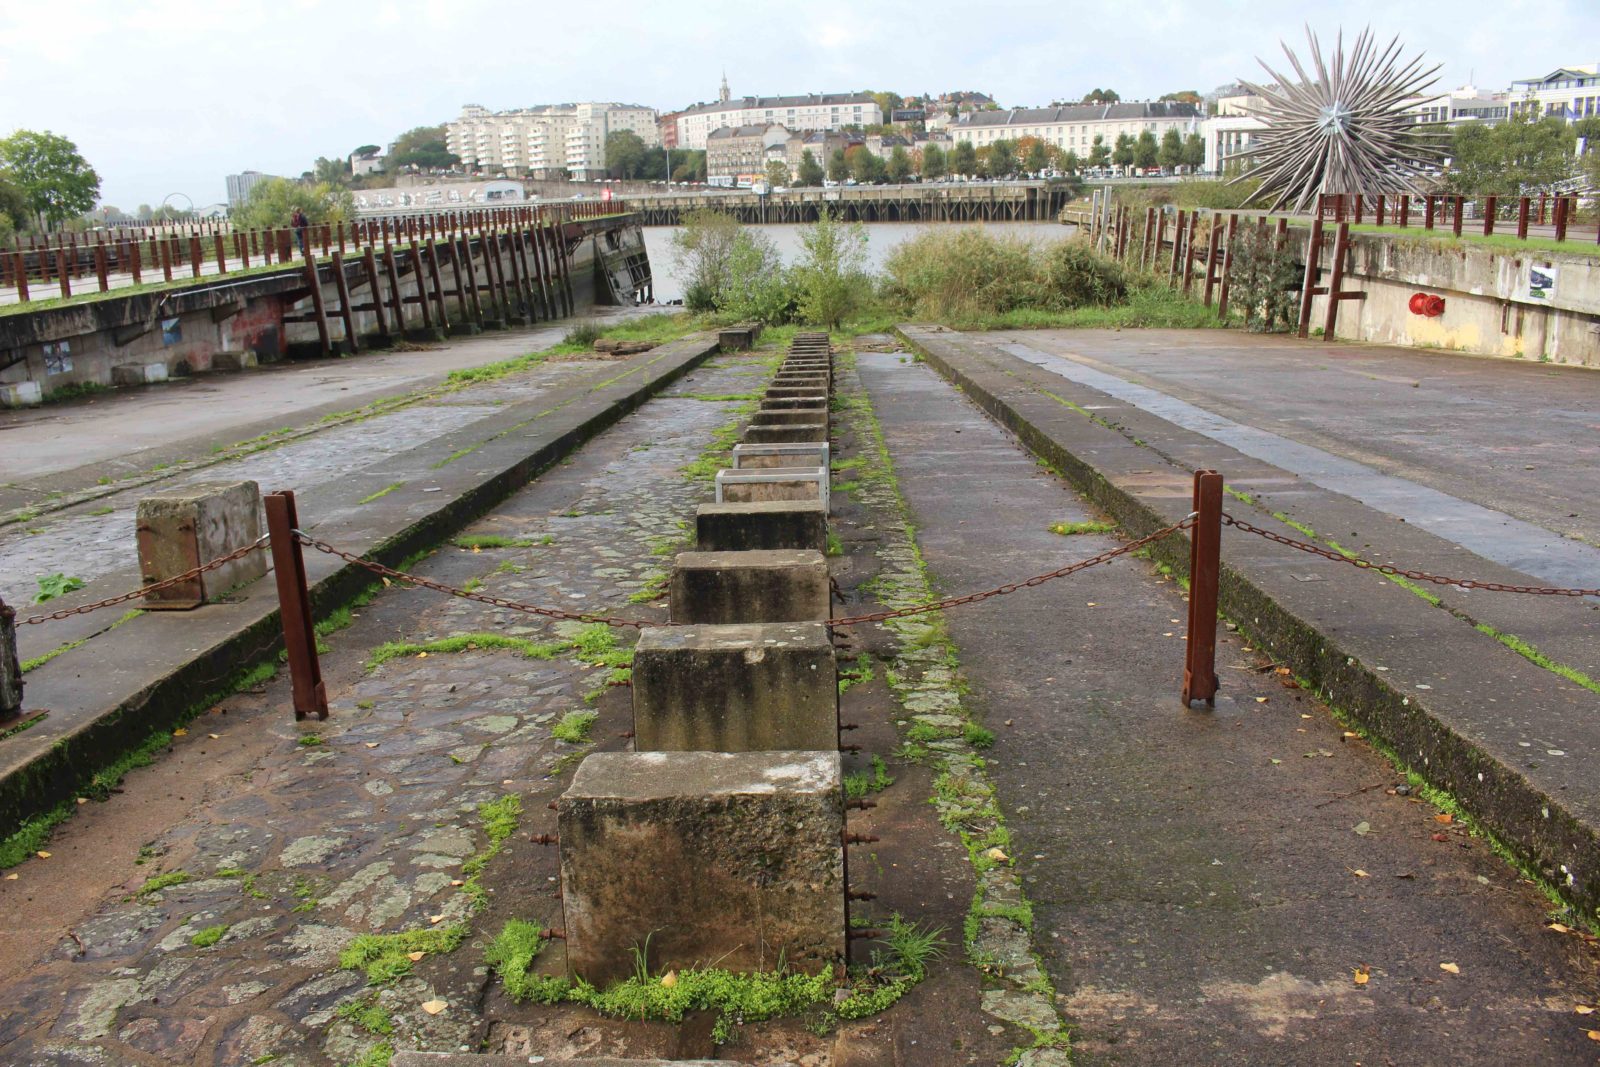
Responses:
[1515,437]
[1208,884]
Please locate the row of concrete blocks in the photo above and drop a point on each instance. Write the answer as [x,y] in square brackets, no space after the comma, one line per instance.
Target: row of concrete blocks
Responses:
[31,393]
[719,841]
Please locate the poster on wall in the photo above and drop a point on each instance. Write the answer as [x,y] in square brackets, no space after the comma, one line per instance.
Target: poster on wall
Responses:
[58,357]
[1539,283]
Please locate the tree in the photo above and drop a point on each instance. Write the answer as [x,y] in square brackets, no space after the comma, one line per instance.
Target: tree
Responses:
[1002,159]
[1101,96]
[1145,151]
[1099,154]
[888,102]
[831,272]
[1122,154]
[624,154]
[810,170]
[366,150]
[838,166]
[898,167]
[1520,154]
[422,147]
[56,182]
[1183,96]
[964,159]
[933,162]
[332,171]
[777,173]
[1171,153]
[272,201]
[1067,161]
[703,253]
[865,167]
[691,165]
[1038,158]
[1194,152]
[14,210]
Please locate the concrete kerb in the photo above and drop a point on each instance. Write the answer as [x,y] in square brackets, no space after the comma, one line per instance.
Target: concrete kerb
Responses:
[132,694]
[1551,828]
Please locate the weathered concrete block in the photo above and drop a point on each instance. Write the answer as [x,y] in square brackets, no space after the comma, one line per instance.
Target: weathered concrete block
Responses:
[767,433]
[180,530]
[405,1058]
[776,585]
[790,416]
[792,454]
[703,858]
[741,687]
[138,373]
[792,378]
[777,483]
[812,392]
[781,524]
[10,665]
[738,338]
[790,403]
[233,361]
[21,395]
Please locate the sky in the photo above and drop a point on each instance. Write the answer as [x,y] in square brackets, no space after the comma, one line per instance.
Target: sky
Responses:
[169,96]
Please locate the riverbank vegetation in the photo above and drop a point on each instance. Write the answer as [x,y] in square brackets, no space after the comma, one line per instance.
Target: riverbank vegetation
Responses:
[964,277]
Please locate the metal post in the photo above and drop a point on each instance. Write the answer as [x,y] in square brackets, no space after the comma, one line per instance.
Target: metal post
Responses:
[319,309]
[1211,258]
[1341,249]
[294,606]
[1227,266]
[347,315]
[1562,204]
[1455,218]
[1205,567]
[1522,218]
[1308,288]
[1490,203]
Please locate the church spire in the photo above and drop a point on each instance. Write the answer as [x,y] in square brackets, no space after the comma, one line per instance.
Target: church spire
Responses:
[723,94]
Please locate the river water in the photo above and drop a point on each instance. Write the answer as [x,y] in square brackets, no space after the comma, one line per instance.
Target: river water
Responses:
[882,237]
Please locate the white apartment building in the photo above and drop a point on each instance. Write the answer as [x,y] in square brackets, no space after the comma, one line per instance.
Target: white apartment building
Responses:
[1074,128]
[543,141]
[1567,92]
[814,111]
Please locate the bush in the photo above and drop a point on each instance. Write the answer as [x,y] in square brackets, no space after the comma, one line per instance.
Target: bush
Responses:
[1077,276]
[1264,280]
[831,278]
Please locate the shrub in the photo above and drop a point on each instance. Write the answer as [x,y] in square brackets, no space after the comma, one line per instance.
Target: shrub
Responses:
[961,273]
[1264,280]
[831,276]
[1078,276]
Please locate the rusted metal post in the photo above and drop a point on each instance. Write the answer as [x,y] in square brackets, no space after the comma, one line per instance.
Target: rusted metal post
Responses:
[438,286]
[222,253]
[1144,239]
[1177,246]
[1359,208]
[1341,249]
[1563,203]
[133,261]
[1227,265]
[519,253]
[1308,288]
[347,314]
[1188,253]
[19,267]
[1455,217]
[1405,211]
[1378,207]
[460,280]
[194,256]
[1490,203]
[392,271]
[1522,218]
[1427,212]
[294,605]
[1211,259]
[1205,569]
[462,252]
[369,266]
[1544,199]
[318,307]
[101,270]
[61,269]
[422,286]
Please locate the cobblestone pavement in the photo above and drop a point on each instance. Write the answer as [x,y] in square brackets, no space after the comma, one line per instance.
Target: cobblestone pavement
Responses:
[92,541]
[368,823]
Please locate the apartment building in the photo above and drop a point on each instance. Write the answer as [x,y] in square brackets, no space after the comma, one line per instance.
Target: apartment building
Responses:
[1566,92]
[814,111]
[738,154]
[1075,127]
[546,141]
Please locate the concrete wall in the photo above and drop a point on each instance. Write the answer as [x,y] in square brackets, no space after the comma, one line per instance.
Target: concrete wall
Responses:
[1489,309]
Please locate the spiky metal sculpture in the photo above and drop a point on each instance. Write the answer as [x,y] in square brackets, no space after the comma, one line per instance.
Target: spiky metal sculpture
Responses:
[1344,131]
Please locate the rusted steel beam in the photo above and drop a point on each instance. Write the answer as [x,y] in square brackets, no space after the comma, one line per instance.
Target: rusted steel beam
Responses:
[1212,241]
[1227,266]
[1205,569]
[438,288]
[308,694]
[396,294]
[319,309]
[1308,287]
[347,314]
[1341,250]
[369,268]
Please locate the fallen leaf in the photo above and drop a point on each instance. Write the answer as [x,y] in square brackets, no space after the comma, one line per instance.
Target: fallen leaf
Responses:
[1261,700]
[669,979]
[83,800]
[457,882]
[1594,1035]
[1363,828]
[423,655]
[1581,1009]
[1304,716]
[434,1007]
[1359,873]
[436,919]
[476,550]
[1444,817]
[215,737]
[11,878]
[1451,967]
[1276,762]
[1282,670]
[997,855]
[180,732]
[415,956]
[372,744]
[1361,976]
[1559,928]
[42,854]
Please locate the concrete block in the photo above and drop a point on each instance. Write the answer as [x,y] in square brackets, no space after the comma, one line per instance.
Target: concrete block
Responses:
[780,524]
[811,392]
[793,378]
[405,1058]
[772,585]
[179,530]
[738,338]
[777,483]
[703,858]
[739,687]
[233,361]
[21,395]
[789,403]
[790,416]
[761,433]
[138,373]
[795,454]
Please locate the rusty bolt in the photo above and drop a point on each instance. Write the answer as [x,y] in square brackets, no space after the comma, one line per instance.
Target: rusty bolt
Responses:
[552,935]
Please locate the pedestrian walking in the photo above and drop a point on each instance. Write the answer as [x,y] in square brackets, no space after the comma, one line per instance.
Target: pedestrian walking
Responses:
[300,223]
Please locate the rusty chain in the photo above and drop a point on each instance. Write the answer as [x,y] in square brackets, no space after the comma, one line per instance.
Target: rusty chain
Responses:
[177,579]
[1398,572]
[492,601]
[1028,583]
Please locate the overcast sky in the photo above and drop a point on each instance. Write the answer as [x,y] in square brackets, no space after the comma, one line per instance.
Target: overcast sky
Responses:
[168,96]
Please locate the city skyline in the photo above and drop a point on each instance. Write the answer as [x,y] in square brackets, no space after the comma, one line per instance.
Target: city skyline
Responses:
[271,87]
